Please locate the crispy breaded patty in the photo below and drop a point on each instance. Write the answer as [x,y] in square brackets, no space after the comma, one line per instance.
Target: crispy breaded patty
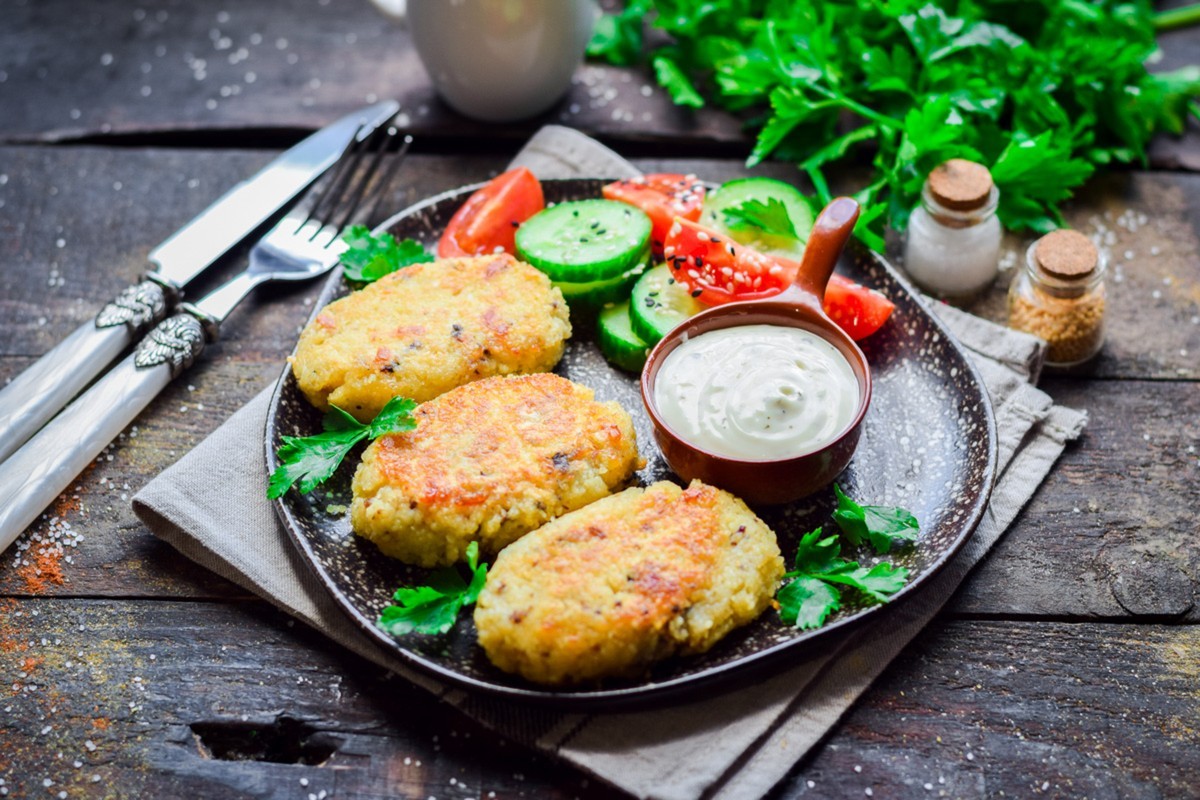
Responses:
[628,580]
[489,462]
[427,328]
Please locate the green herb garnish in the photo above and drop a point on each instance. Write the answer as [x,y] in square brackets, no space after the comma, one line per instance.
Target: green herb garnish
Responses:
[882,526]
[770,217]
[368,258]
[312,460]
[1022,88]
[812,593]
[434,608]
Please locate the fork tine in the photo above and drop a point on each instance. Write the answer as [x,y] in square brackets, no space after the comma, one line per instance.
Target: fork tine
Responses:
[382,140]
[343,168]
[386,179]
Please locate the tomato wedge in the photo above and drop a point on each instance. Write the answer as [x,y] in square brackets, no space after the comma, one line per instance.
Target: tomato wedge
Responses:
[716,269]
[488,221]
[663,196]
[857,310]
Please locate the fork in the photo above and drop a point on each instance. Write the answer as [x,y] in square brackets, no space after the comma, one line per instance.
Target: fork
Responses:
[304,244]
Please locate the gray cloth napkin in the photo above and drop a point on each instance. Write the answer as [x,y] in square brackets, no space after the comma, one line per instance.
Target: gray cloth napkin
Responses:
[212,507]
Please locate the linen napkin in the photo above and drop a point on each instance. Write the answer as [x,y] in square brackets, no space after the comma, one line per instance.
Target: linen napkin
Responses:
[212,507]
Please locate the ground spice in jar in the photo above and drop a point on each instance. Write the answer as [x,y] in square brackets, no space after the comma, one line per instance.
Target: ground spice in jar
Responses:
[1059,296]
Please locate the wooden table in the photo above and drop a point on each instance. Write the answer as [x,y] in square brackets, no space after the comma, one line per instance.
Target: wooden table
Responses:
[1066,665]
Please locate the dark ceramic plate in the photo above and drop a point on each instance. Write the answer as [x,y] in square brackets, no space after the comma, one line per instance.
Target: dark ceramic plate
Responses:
[928,444]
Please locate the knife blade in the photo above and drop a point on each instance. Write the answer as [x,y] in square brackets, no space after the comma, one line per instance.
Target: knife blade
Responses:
[38,393]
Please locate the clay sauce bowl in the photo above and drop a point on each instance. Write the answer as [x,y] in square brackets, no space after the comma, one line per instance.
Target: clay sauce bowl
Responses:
[799,306]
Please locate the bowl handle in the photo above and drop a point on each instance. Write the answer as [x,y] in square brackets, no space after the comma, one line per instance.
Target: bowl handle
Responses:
[829,235]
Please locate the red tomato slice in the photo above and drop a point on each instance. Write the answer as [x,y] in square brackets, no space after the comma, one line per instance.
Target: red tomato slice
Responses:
[488,221]
[859,311]
[716,269]
[663,196]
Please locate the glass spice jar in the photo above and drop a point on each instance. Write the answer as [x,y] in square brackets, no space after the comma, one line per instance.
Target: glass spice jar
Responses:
[1059,296]
[953,244]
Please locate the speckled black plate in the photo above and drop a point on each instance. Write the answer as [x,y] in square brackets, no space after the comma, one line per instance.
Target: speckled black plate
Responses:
[928,444]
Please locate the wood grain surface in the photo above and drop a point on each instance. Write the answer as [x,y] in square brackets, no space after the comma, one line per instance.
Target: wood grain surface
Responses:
[1064,667]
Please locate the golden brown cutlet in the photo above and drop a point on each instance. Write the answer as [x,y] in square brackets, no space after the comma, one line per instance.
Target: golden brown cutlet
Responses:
[489,462]
[628,580]
[427,328]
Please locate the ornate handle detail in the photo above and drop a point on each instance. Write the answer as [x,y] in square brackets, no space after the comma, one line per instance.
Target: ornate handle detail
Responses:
[138,307]
[176,341]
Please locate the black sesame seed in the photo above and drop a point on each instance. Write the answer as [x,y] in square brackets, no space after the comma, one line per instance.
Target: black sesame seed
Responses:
[697,292]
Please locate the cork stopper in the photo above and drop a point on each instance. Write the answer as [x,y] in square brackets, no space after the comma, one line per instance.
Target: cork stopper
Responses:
[960,185]
[1067,255]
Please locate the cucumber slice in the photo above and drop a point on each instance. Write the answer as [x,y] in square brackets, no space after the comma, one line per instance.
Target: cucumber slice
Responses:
[594,295]
[619,344]
[584,240]
[658,304]
[734,193]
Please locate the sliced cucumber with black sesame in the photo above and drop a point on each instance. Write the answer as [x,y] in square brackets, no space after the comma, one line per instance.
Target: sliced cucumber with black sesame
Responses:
[591,296]
[761,194]
[658,303]
[620,345]
[585,240]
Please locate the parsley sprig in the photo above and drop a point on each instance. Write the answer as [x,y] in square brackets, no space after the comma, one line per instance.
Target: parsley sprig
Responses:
[368,257]
[312,460]
[770,217]
[1022,88]
[882,526]
[434,608]
[811,593]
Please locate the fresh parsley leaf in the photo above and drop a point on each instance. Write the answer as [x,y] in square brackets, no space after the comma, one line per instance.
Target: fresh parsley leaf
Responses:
[806,602]
[675,81]
[434,608]
[810,595]
[875,582]
[618,37]
[368,257]
[770,217]
[815,555]
[882,526]
[311,460]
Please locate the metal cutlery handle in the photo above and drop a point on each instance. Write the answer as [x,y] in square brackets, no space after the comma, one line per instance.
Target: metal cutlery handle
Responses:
[37,394]
[45,466]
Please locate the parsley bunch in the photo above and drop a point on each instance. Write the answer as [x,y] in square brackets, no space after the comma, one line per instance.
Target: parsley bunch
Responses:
[434,608]
[368,258]
[1041,91]
[312,460]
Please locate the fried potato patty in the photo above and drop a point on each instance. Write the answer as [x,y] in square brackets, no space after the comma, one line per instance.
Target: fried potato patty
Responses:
[628,580]
[427,328]
[489,462]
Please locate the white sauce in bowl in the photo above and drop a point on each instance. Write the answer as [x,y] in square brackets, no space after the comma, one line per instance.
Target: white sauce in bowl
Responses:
[757,392]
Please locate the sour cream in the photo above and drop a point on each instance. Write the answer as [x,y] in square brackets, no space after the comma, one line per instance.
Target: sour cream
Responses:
[757,392]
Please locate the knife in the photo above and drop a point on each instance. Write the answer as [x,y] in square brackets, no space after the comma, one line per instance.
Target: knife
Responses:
[38,393]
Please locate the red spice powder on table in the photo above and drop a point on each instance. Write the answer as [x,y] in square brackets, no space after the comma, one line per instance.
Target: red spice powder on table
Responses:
[41,566]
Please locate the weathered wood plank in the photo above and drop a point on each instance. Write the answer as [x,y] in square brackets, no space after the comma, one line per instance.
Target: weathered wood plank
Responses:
[280,67]
[1104,710]
[1003,709]
[1112,531]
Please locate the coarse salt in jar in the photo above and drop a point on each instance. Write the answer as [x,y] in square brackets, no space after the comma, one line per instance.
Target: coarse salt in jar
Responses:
[953,244]
[1059,296]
